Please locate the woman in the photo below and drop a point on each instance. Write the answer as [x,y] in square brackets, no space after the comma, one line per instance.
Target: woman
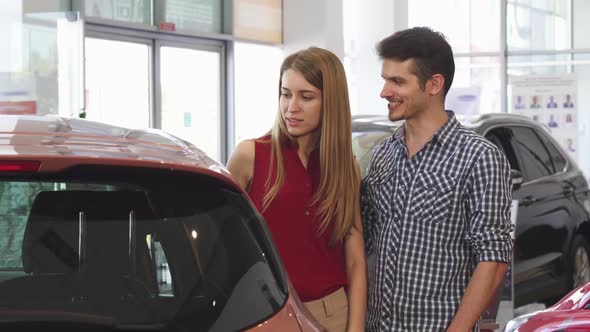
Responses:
[305,181]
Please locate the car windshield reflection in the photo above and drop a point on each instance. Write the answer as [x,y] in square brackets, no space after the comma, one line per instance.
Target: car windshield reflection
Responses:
[135,247]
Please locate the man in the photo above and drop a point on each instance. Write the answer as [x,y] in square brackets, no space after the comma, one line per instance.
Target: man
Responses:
[552,123]
[551,103]
[568,101]
[570,145]
[519,103]
[536,103]
[436,200]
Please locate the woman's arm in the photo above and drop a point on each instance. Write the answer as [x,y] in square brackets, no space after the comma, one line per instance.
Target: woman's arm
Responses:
[356,271]
[241,163]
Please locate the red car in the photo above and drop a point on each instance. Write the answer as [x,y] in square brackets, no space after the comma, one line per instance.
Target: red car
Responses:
[569,314]
[108,229]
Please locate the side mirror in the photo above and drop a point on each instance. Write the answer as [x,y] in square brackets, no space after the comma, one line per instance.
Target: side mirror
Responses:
[516,177]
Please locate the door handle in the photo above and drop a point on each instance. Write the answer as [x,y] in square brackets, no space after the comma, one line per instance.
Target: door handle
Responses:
[528,200]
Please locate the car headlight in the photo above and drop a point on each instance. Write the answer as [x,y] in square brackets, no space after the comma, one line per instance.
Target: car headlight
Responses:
[517,322]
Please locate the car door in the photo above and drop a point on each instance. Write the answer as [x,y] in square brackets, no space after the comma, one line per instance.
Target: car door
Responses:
[542,214]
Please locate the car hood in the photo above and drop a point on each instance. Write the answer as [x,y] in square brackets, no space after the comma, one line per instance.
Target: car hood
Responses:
[559,321]
[576,299]
[568,313]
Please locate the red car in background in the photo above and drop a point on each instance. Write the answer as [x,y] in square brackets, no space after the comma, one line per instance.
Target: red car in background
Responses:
[109,229]
[571,313]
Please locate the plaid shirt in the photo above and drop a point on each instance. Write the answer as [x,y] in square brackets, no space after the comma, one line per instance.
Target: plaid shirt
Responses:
[428,221]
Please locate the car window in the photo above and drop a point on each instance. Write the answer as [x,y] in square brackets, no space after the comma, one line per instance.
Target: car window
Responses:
[556,158]
[532,153]
[362,145]
[136,247]
[502,138]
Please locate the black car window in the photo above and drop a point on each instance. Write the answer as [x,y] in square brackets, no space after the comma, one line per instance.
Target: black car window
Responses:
[160,249]
[557,159]
[502,138]
[532,154]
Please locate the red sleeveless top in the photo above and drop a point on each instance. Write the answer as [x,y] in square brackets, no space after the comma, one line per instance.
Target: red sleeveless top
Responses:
[315,267]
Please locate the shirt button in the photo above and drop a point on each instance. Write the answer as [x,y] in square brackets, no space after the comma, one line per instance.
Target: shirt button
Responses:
[403,187]
[307,213]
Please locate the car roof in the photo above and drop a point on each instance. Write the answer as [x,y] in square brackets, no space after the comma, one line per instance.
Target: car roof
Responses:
[80,141]
[477,123]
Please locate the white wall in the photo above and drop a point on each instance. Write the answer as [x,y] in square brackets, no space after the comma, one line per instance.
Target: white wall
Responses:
[313,23]
[372,24]
[350,29]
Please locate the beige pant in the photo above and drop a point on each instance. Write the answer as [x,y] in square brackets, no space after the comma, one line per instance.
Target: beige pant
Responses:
[331,311]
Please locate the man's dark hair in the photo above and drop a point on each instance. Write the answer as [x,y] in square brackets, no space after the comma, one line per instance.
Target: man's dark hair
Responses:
[429,49]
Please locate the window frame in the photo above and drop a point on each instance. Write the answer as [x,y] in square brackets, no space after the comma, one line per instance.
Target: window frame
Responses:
[539,133]
[156,39]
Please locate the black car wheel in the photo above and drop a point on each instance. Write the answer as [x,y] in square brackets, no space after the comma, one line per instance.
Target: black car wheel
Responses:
[580,262]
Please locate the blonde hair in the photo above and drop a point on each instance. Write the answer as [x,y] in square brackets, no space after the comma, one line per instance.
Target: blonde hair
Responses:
[338,192]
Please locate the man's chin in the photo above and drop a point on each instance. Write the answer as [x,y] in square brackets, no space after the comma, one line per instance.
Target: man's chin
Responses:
[394,117]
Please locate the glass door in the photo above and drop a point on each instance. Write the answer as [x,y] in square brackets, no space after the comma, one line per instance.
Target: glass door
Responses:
[118,82]
[191,95]
[41,70]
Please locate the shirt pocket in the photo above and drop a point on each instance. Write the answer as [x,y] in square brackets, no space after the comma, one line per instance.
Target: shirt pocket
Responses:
[432,198]
[379,191]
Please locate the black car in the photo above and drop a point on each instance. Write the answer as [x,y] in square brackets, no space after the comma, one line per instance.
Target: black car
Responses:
[551,252]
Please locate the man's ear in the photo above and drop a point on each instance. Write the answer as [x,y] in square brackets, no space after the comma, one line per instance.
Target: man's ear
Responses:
[436,84]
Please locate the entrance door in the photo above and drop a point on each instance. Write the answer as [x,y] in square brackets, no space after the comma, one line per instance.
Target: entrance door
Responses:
[118,82]
[190,81]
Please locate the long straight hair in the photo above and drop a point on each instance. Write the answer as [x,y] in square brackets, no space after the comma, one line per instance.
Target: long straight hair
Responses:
[339,190]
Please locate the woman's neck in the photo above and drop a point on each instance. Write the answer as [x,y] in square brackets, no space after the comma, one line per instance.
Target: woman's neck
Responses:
[306,144]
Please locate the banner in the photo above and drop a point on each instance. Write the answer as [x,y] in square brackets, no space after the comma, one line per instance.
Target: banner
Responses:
[550,100]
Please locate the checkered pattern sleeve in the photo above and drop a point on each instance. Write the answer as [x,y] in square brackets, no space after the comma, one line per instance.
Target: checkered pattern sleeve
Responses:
[489,196]
[368,217]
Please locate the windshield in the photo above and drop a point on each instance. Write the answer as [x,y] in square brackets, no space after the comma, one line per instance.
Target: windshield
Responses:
[135,247]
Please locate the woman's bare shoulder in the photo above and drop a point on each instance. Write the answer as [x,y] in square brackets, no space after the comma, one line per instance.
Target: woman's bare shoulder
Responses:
[245,149]
[241,162]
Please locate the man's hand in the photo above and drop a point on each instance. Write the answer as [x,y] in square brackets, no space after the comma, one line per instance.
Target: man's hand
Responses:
[480,290]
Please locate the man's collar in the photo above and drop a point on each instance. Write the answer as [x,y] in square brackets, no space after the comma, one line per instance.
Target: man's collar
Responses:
[443,135]
[448,131]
